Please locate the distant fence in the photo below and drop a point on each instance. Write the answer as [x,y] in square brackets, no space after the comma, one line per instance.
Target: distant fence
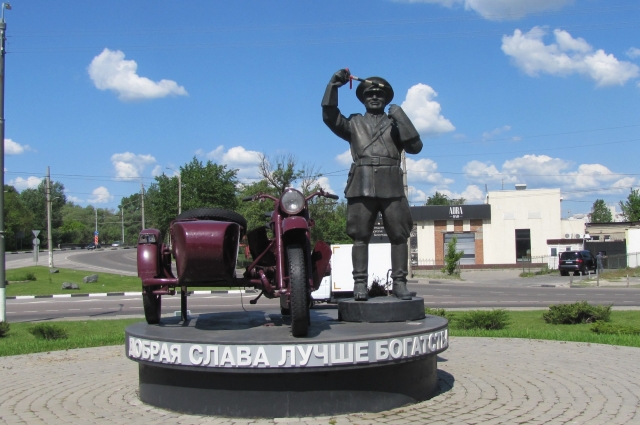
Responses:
[618,261]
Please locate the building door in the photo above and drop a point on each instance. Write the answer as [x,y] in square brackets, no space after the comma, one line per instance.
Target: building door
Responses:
[466,242]
[523,245]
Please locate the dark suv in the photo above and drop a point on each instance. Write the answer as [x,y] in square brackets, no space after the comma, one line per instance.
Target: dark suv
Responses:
[577,262]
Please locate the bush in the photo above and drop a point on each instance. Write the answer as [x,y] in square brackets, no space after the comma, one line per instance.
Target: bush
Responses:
[4,329]
[482,319]
[48,332]
[438,312]
[452,257]
[379,289]
[578,312]
[614,329]
[21,277]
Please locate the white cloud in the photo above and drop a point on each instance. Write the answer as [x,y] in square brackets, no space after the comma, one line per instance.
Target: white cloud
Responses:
[157,170]
[100,195]
[129,165]
[566,56]
[633,52]
[344,158]
[74,199]
[416,195]
[425,112]
[544,171]
[19,183]
[110,71]
[488,135]
[14,148]
[498,10]
[237,157]
[472,194]
[425,170]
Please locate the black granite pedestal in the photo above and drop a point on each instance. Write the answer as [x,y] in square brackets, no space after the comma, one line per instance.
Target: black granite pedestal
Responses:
[381,309]
[247,364]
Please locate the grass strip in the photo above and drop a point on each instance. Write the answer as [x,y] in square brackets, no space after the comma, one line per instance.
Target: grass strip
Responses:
[80,334]
[531,325]
[51,283]
[522,324]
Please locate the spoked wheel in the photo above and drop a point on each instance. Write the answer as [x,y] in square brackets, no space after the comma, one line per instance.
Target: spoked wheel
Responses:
[152,304]
[299,287]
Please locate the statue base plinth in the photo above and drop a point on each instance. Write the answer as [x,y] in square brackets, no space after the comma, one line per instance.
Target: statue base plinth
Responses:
[381,310]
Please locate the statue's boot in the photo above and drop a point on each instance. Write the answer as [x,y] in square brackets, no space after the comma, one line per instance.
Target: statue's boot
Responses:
[360,260]
[360,292]
[400,290]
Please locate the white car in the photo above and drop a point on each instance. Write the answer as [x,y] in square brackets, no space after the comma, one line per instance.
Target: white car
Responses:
[116,244]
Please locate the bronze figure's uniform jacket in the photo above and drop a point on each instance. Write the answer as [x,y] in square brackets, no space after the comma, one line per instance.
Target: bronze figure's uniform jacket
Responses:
[376,144]
[375,183]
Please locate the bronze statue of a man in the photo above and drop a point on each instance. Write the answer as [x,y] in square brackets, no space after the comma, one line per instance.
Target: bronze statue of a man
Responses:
[375,179]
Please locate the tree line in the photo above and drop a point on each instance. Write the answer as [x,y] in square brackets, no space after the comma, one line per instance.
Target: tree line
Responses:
[204,184]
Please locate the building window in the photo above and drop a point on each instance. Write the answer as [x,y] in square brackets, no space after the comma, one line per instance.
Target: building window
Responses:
[554,252]
[465,242]
[523,245]
[607,237]
[595,238]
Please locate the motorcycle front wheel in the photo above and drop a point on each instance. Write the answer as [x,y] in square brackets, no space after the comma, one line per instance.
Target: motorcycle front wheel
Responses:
[299,290]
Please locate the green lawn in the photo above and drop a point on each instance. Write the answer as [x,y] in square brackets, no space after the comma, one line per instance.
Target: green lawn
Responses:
[82,334]
[524,324]
[529,324]
[51,283]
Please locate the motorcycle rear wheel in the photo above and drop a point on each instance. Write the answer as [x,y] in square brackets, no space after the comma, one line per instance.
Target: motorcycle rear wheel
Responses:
[152,304]
[299,287]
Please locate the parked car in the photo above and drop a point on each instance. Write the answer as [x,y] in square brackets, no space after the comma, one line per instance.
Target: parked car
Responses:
[93,246]
[116,244]
[576,262]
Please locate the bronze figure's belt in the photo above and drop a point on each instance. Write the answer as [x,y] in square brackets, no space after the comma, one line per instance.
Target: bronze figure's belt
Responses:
[377,160]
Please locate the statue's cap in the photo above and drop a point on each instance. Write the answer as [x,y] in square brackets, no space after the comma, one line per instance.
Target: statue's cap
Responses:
[378,83]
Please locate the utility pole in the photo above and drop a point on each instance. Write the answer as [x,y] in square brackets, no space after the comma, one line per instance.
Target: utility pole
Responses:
[49,236]
[179,176]
[3,282]
[122,218]
[142,198]
[406,194]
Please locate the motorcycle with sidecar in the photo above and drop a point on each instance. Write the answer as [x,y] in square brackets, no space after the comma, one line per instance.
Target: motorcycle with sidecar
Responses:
[204,243]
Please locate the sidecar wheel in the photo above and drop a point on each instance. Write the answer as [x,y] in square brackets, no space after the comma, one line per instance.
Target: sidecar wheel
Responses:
[152,304]
[299,287]
[217,214]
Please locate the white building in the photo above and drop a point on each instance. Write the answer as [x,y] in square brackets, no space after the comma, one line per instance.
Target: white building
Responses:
[512,226]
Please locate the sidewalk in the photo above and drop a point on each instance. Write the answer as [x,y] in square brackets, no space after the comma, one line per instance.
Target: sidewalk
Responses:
[482,381]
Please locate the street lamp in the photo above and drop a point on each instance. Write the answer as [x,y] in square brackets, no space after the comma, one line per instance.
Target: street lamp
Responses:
[3,283]
[179,189]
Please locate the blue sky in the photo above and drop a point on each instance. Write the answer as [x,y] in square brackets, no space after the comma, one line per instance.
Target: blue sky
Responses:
[109,94]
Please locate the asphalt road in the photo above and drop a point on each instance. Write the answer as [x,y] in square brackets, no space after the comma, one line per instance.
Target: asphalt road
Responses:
[479,289]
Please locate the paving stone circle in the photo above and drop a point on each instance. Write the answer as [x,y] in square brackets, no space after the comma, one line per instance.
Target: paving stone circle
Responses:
[482,381]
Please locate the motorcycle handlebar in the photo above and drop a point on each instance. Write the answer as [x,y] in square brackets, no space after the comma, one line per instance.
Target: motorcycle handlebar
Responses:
[247,198]
[331,196]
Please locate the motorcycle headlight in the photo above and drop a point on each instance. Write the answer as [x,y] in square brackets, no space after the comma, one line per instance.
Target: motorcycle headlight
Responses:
[292,201]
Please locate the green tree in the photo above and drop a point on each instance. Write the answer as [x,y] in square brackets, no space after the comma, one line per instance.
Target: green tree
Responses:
[131,207]
[255,211]
[631,208]
[203,185]
[35,201]
[600,213]
[452,257]
[18,221]
[282,173]
[442,199]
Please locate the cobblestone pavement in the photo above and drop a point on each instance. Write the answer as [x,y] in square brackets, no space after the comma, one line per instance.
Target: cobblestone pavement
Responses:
[482,381]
